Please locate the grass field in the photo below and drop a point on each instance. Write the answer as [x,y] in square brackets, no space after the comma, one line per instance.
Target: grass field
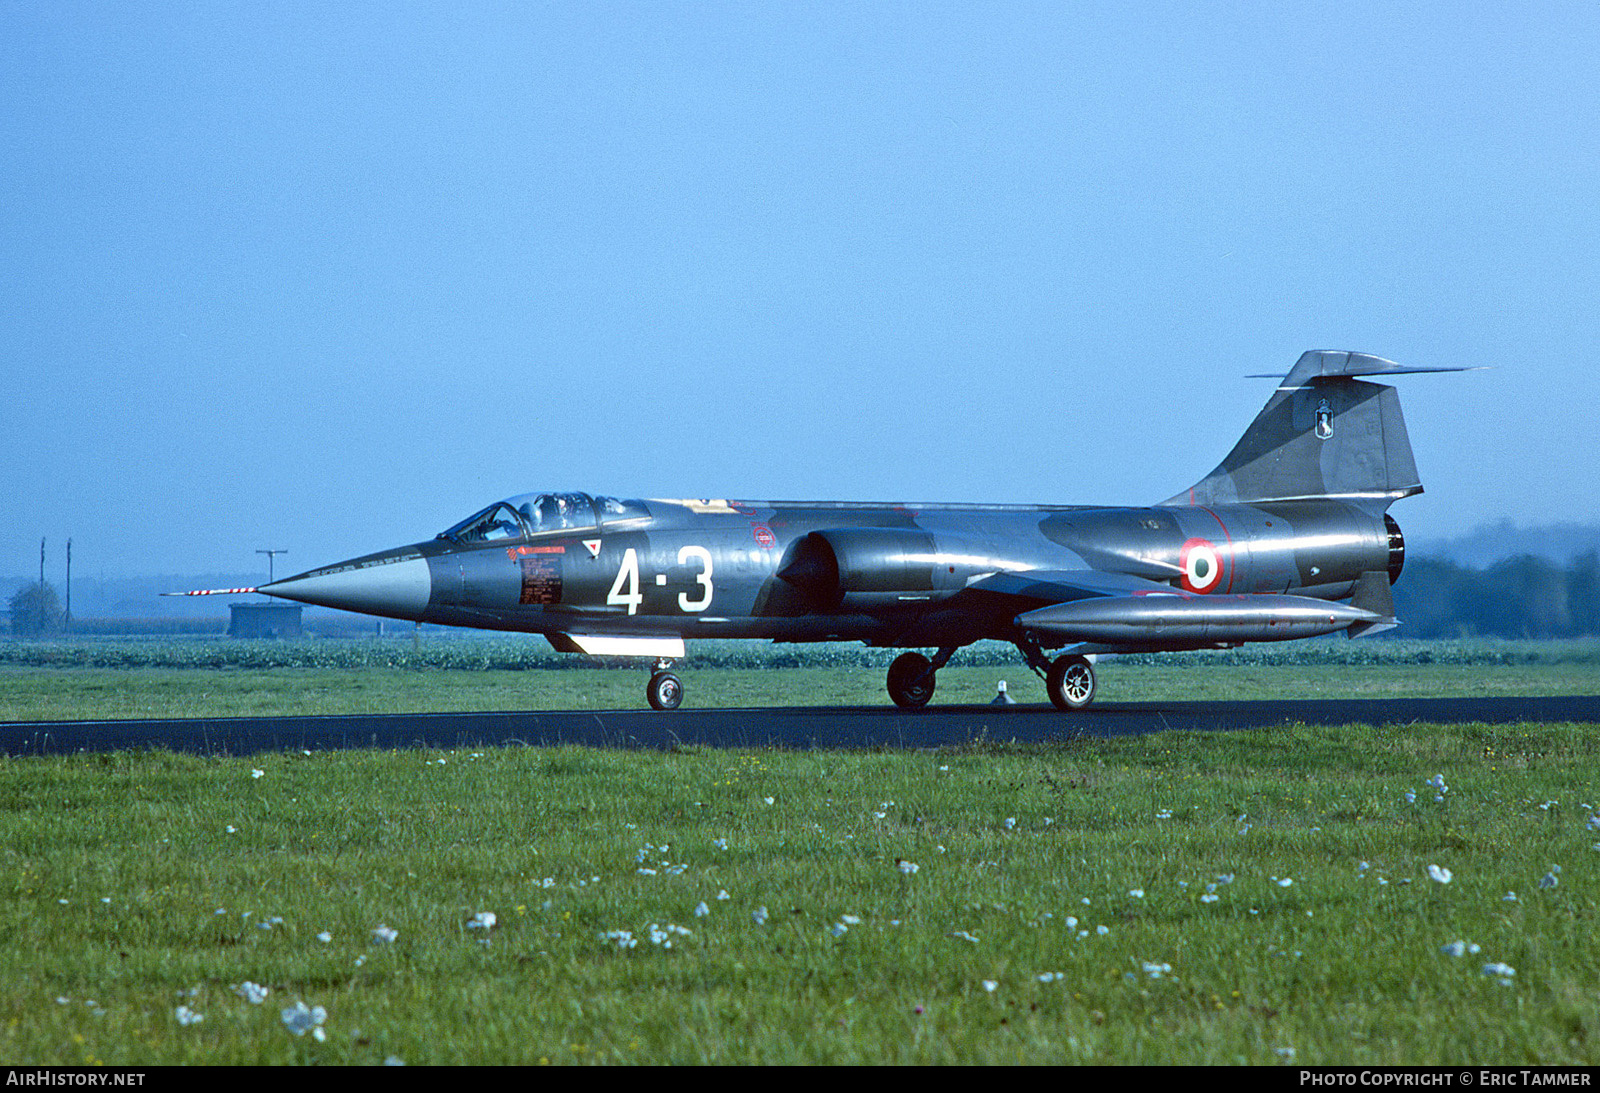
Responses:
[36,694]
[1262,897]
[1256,897]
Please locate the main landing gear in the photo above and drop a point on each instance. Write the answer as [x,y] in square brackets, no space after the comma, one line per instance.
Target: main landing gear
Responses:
[664,691]
[911,677]
[1068,680]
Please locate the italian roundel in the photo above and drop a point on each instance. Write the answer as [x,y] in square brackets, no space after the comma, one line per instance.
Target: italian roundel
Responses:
[1203,566]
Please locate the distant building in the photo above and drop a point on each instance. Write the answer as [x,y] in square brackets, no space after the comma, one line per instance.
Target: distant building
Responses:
[265,620]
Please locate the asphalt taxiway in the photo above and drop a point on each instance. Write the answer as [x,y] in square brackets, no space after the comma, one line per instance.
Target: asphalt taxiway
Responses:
[784,727]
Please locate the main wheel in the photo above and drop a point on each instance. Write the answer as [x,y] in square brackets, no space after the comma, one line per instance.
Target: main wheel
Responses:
[1070,682]
[911,681]
[664,691]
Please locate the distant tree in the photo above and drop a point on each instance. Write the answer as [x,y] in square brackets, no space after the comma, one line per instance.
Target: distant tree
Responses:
[36,611]
[1583,592]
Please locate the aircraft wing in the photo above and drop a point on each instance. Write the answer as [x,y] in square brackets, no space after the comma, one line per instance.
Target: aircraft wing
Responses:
[1066,585]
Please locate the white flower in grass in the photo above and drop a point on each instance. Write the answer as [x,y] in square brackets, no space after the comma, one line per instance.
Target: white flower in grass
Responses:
[1285,882]
[384,934]
[1410,796]
[1594,822]
[1437,782]
[1164,814]
[769,800]
[1439,873]
[254,773]
[1502,972]
[187,1016]
[964,936]
[838,929]
[623,938]
[1071,922]
[1010,822]
[1102,930]
[1210,897]
[906,867]
[850,920]
[722,894]
[1051,977]
[254,993]
[991,985]
[1548,880]
[1156,971]
[759,916]
[325,937]
[483,920]
[301,1019]
[1136,893]
[1509,897]
[701,910]
[720,844]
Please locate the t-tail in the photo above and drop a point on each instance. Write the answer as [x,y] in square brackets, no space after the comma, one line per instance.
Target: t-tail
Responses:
[1323,434]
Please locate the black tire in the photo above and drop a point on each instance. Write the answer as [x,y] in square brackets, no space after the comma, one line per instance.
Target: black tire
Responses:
[665,692]
[911,681]
[1071,682]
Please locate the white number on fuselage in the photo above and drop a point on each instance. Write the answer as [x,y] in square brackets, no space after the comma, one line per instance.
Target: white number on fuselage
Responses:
[703,578]
[625,590]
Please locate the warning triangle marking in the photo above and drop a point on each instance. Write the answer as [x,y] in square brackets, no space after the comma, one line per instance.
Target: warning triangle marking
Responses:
[594,547]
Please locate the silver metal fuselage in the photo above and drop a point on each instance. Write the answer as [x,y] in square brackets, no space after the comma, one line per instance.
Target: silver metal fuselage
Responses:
[908,575]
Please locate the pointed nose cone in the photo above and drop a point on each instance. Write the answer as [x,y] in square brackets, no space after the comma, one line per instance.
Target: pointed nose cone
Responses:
[396,586]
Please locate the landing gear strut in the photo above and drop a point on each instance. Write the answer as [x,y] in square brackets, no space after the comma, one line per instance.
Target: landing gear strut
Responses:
[664,690]
[911,677]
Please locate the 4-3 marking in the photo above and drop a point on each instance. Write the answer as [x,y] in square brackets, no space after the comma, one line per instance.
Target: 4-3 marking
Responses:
[625,589]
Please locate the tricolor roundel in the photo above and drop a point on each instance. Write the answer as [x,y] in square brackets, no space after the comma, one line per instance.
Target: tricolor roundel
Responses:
[1203,566]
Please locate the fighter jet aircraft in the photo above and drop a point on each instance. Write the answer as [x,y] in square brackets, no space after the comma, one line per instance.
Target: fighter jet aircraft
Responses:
[1288,537]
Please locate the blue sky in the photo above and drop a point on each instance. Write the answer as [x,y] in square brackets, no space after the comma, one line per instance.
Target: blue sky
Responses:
[330,277]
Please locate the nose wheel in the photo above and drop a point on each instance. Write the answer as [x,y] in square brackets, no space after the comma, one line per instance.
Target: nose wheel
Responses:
[664,691]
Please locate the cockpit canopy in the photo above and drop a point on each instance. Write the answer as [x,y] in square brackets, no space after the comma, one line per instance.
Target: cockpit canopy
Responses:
[531,513]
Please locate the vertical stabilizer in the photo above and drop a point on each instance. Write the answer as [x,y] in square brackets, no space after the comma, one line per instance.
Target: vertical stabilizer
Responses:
[1323,433]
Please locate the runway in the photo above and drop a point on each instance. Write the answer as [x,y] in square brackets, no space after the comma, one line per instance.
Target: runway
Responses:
[786,727]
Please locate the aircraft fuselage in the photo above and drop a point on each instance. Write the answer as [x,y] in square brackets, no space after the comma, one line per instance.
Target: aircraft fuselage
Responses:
[888,575]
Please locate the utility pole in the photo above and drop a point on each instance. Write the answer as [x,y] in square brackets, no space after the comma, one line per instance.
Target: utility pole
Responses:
[41,587]
[271,554]
[66,622]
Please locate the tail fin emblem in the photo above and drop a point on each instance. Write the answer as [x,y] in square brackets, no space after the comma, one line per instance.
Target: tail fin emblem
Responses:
[1324,420]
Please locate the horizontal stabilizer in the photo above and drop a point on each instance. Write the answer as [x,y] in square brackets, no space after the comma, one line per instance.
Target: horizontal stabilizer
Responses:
[1326,364]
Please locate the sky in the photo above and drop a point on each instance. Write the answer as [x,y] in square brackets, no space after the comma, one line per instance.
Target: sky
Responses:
[326,278]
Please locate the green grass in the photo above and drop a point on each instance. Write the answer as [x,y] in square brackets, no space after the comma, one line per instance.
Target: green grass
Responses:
[39,694]
[124,894]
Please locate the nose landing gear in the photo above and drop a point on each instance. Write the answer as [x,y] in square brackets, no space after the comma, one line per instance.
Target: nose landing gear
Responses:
[665,690]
